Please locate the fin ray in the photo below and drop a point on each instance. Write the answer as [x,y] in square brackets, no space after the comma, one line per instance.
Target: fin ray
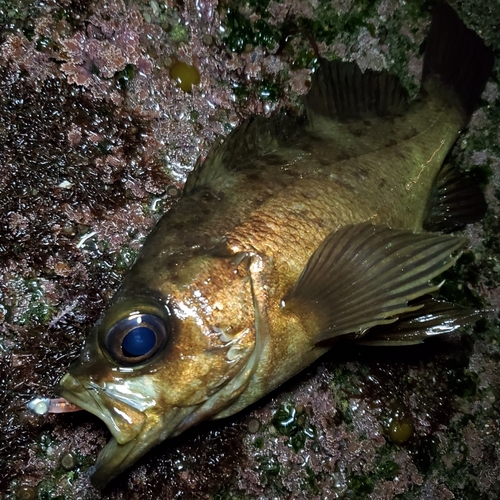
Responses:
[364,275]
[455,200]
[431,317]
[340,90]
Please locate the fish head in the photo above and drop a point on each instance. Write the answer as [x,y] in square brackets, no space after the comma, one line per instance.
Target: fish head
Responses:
[164,357]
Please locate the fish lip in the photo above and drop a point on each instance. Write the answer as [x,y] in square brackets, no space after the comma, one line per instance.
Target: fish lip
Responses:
[114,458]
[87,396]
[120,453]
[103,472]
[74,397]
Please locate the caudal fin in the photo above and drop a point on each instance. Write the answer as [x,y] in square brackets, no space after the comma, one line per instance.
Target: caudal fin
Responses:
[458,57]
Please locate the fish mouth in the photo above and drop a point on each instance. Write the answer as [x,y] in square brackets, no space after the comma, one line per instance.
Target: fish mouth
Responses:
[124,422]
[134,432]
[115,457]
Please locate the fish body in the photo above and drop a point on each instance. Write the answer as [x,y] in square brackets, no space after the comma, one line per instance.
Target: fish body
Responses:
[292,232]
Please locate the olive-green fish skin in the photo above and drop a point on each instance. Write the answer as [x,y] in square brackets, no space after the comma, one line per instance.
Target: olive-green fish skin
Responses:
[241,271]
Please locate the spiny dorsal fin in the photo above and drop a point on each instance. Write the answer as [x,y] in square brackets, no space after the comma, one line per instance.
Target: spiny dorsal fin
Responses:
[455,200]
[340,90]
[254,138]
[364,275]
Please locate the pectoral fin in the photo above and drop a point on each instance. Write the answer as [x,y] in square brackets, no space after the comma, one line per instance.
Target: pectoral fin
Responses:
[364,275]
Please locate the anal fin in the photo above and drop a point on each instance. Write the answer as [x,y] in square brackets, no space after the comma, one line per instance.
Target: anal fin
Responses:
[455,200]
[364,275]
[434,317]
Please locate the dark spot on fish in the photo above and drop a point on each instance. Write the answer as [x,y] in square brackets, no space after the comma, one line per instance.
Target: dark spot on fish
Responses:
[411,133]
[324,161]
[176,278]
[422,95]
[311,143]
[358,132]
[221,249]
[382,183]
[306,195]
[390,143]
[274,159]
[254,176]
[190,241]
[320,223]
[341,156]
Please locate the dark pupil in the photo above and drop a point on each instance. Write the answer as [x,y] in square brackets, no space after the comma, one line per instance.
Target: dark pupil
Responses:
[138,341]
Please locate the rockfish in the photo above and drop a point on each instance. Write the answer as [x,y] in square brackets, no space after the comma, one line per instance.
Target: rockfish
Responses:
[293,231]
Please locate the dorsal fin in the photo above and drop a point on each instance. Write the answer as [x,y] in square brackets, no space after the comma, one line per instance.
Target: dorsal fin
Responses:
[340,90]
[253,139]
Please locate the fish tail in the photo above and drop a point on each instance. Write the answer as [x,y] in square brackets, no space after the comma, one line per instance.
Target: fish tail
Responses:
[457,57]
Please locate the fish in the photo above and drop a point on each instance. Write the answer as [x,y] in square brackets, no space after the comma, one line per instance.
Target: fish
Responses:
[294,231]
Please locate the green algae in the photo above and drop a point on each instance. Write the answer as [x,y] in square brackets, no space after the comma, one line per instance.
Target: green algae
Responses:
[45,44]
[360,486]
[169,19]
[388,470]
[311,482]
[17,16]
[124,258]
[265,90]
[292,422]
[243,33]
[328,24]
[126,76]
[490,252]
[258,443]
[481,17]
[37,311]
[461,279]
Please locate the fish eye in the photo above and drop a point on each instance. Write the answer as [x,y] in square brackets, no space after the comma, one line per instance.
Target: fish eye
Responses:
[136,338]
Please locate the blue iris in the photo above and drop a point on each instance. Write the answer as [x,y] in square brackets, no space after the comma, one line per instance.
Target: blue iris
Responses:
[139,341]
